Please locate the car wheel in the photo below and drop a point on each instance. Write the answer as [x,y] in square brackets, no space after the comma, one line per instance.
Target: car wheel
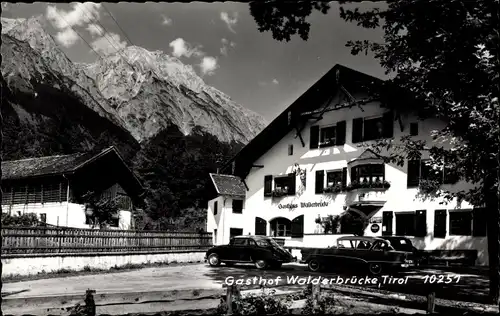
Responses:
[260,264]
[314,265]
[375,268]
[214,260]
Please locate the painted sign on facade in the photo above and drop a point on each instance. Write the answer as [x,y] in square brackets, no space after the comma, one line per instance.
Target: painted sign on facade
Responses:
[302,205]
[376,220]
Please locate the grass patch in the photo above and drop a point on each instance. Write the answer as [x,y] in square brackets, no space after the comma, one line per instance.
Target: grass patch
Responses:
[88,270]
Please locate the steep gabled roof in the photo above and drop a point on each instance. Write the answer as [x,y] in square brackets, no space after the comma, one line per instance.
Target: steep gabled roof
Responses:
[319,93]
[228,185]
[43,166]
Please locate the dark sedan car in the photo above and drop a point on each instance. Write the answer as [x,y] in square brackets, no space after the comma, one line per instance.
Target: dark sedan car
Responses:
[401,243]
[262,251]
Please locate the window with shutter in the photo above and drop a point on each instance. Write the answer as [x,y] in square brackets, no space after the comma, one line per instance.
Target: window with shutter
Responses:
[479,220]
[388,124]
[320,180]
[357,130]
[461,223]
[290,150]
[421,223]
[238,206]
[260,226]
[298,227]
[440,224]
[413,173]
[314,137]
[327,136]
[341,132]
[344,177]
[268,185]
[216,207]
[405,224]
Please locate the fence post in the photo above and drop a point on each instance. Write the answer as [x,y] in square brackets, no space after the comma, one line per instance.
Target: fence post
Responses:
[316,291]
[232,292]
[431,302]
[90,308]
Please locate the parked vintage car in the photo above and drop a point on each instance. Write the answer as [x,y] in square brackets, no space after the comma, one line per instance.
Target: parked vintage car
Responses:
[370,254]
[401,243]
[262,251]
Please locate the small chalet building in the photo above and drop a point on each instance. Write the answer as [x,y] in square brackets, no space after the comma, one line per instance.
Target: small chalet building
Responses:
[313,165]
[53,187]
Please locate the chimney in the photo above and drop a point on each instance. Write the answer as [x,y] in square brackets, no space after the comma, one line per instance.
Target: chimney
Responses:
[217,170]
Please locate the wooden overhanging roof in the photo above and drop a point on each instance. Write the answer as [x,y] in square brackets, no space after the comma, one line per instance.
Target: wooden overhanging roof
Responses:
[228,185]
[339,78]
[65,165]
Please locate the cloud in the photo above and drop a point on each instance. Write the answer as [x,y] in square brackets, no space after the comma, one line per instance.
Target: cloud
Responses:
[208,65]
[275,81]
[226,44]
[182,48]
[95,30]
[230,21]
[81,14]
[67,38]
[166,20]
[102,44]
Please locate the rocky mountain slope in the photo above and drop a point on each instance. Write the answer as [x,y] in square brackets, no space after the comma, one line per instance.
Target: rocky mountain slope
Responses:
[143,91]
[170,126]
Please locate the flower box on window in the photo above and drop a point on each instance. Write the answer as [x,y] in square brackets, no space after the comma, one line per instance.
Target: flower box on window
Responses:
[368,185]
[279,192]
[334,189]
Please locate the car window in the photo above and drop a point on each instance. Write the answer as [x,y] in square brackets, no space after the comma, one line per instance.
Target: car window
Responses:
[262,243]
[251,242]
[364,245]
[344,244]
[240,242]
[382,246]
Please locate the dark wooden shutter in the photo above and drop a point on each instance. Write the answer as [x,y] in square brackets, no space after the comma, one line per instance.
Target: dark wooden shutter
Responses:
[357,130]
[420,223]
[260,226]
[344,177]
[340,137]
[440,223]
[354,174]
[314,137]
[479,221]
[387,217]
[293,183]
[290,150]
[320,180]
[298,227]
[413,173]
[388,130]
[268,185]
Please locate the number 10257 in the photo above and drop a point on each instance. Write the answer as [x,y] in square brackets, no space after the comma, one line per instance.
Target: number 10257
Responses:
[441,279]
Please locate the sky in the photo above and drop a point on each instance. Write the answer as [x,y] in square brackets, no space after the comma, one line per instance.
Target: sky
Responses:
[220,40]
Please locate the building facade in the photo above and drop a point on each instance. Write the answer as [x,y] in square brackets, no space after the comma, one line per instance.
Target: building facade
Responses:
[314,175]
[56,188]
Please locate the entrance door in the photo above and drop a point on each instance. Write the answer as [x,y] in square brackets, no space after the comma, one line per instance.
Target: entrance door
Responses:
[387,217]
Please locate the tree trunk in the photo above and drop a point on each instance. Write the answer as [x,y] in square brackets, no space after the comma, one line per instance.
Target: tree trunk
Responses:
[493,230]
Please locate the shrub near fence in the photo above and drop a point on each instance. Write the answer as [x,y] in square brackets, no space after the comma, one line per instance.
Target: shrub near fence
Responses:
[44,240]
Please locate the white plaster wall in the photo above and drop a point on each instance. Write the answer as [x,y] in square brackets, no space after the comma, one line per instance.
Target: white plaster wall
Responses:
[225,219]
[34,265]
[63,214]
[399,198]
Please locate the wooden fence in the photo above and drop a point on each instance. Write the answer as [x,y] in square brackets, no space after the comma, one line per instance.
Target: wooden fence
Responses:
[42,240]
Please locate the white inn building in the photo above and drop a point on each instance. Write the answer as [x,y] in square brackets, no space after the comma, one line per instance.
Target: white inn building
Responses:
[310,177]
